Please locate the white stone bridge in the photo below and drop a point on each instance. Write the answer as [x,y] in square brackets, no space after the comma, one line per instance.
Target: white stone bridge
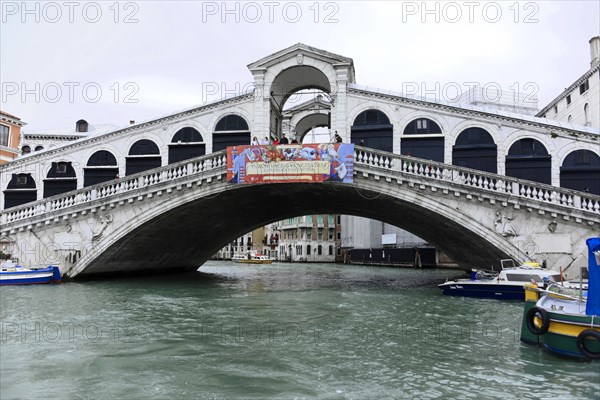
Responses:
[177,216]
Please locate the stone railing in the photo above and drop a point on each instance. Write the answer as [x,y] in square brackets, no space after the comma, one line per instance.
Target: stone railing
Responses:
[479,180]
[171,172]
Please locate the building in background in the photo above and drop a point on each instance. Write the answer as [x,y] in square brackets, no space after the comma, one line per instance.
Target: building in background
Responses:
[10,136]
[579,104]
[309,238]
[241,245]
[42,140]
[496,99]
[372,242]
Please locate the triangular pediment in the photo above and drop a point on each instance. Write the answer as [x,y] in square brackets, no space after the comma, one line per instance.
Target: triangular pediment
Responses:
[297,50]
[312,104]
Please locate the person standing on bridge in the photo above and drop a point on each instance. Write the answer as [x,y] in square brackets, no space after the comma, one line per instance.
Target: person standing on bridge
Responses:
[284,139]
[254,141]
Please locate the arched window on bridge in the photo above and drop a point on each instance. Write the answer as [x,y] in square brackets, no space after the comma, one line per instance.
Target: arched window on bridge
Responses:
[143,155]
[231,130]
[581,171]
[423,138]
[60,179]
[528,159]
[101,167]
[186,143]
[25,150]
[475,148]
[20,190]
[39,148]
[372,128]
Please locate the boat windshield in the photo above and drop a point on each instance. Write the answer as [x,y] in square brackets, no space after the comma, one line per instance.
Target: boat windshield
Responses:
[530,277]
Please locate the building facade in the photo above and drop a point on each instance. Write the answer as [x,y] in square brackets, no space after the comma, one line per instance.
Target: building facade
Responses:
[239,246]
[42,140]
[10,137]
[580,103]
[308,238]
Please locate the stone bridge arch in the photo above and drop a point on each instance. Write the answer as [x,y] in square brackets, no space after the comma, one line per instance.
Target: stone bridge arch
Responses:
[184,230]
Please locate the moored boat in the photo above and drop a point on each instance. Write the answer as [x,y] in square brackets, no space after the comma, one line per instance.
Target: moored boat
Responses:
[505,284]
[13,274]
[564,321]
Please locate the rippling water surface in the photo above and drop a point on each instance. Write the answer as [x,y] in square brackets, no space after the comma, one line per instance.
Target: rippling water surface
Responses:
[280,331]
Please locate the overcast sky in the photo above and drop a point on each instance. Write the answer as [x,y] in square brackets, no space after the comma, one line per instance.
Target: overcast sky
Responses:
[110,62]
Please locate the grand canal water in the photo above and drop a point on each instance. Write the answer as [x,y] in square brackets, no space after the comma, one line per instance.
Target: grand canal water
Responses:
[280,331]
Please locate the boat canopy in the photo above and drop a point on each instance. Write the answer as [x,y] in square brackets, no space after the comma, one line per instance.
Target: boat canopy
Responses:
[593,300]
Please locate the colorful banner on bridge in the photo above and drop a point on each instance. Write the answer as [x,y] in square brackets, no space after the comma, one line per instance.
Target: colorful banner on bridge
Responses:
[306,163]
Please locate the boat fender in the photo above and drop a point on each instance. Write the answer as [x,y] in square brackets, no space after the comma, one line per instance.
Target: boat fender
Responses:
[592,334]
[529,317]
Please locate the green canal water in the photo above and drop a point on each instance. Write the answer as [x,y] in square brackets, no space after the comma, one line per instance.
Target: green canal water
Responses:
[280,331]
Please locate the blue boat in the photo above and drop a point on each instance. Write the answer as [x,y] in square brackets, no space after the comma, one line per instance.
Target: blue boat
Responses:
[13,274]
[506,284]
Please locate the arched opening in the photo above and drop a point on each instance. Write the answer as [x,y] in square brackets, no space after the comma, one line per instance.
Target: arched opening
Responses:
[475,148]
[143,155]
[231,130]
[308,249]
[298,81]
[20,190]
[528,159]
[39,148]
[101,167]
[422,138]
[81,126]
[581,171]
[25,150]
[309,128]
[372,128]
[60,179]
[186,143]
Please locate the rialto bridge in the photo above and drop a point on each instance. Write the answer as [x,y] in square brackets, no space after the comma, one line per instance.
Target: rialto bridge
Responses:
[478,184]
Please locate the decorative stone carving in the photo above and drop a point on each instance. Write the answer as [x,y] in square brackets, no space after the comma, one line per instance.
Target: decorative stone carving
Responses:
[300,58]
[552,226]
[101,224]
[503,225]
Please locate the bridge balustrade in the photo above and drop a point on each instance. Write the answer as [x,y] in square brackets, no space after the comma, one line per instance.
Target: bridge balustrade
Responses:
[106,190]
[477,179]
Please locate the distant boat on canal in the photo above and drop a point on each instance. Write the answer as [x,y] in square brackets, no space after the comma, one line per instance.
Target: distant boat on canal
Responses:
[252,258]
[13,274]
